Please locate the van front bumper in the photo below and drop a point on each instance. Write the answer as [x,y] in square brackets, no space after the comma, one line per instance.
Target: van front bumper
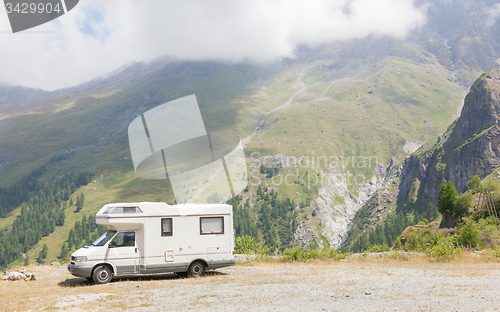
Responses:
[80,270]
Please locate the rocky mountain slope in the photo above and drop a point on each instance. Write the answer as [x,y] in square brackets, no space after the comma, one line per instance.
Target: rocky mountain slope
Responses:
[463,35]
[471,146]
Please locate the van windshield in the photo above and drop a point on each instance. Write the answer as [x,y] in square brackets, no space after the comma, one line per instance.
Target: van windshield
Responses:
[101,241]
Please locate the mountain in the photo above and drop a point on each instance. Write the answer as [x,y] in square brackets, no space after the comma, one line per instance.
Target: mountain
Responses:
[463,35]
[12,96]
[338,120]
[470,146]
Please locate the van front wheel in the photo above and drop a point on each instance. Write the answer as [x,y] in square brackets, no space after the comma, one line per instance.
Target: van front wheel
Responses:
[102,274]
[196,269]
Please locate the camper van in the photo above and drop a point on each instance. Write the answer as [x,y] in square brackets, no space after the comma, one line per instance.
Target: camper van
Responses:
[148,238]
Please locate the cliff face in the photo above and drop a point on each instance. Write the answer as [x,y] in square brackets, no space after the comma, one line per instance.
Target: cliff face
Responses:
[470,146]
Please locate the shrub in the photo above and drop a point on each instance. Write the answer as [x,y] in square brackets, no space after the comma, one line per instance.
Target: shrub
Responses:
[300,254]
[489,231]
[414,242]
[420,240]
[469,235]
[398,255]
[395,254]
[496,252]
[378,248]
[462,204]
[247,245]
[443,249]
[398,245]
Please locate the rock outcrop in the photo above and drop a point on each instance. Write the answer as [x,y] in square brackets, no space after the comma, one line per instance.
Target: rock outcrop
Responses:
[470,146]
[336,216]
[15,276]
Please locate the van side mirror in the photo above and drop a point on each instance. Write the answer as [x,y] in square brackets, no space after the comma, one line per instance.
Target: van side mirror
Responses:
[112,244]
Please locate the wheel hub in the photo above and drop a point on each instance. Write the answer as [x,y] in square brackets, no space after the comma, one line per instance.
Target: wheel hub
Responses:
[103,275]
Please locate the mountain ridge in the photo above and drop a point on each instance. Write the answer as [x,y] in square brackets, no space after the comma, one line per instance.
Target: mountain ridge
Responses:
[471,147]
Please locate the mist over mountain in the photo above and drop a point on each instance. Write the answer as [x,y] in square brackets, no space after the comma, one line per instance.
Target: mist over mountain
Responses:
[463,35]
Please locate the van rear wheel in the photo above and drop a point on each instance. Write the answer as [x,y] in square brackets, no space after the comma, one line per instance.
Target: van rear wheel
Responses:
[196,269]
[102,274]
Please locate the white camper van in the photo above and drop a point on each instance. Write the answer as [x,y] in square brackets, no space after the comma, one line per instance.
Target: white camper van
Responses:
[147,238]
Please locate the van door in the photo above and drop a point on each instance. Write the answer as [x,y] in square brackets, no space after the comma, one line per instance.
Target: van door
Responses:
[123,252]
[217,253]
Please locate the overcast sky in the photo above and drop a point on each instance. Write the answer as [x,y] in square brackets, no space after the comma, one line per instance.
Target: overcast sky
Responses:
[98,36]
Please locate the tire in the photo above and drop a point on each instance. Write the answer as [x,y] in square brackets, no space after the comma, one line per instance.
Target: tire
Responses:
[196,269]
[182,274]
[102,274]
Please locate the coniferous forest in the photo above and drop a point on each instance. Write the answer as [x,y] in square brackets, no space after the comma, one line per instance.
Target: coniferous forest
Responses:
[262,216]
[84,232]
[265,218]
[42,209]
[361,235]
[12,197]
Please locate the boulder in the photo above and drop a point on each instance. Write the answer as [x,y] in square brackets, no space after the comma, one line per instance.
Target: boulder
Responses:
[14,276]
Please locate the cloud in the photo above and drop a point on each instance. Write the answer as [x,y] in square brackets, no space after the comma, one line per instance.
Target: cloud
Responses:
[99,36]
[493,14]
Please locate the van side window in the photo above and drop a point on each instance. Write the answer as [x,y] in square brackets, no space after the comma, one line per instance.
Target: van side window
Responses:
[120,210]
[211,225]
[125,239]
[131,210]
[166,227]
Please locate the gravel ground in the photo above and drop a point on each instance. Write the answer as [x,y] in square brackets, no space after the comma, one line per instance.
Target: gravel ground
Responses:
[337,287]
[358,285]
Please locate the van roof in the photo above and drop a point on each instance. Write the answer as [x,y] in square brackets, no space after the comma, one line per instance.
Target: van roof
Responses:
[149,209]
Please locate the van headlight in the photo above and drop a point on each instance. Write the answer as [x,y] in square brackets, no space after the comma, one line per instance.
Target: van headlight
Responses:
[81,259]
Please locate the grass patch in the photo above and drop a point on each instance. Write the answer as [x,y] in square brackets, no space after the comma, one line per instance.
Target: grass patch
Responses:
[339,200]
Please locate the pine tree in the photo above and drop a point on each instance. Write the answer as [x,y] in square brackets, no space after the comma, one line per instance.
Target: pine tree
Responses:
[446,200]
[61,217]
[79,202]
[43,254]
[67,193]
[64,251]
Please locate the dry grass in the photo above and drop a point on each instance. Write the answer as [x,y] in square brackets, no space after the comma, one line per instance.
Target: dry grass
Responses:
[56,289]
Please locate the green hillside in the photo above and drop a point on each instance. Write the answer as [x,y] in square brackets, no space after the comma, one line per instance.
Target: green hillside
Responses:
[468,148]
[399,100]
